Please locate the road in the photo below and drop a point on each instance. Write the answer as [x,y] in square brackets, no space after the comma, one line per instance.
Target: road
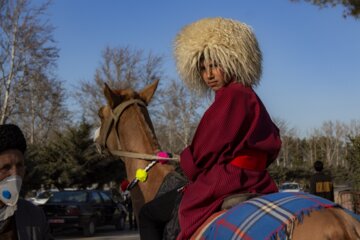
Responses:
[103,233]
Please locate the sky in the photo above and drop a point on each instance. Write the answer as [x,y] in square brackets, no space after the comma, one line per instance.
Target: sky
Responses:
[311,63]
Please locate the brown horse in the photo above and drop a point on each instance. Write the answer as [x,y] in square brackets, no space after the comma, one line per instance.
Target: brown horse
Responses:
[126,126]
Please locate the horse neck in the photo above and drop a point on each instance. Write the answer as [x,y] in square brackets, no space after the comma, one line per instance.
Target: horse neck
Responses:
[136,135]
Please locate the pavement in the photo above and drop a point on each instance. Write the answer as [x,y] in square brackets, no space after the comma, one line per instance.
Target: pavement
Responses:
[102,233]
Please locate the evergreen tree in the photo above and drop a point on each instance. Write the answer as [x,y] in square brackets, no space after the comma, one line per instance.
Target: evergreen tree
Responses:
[71,161]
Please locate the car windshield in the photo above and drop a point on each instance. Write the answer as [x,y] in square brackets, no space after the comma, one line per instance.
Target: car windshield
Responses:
[290,186]
[44,195]
[71,196]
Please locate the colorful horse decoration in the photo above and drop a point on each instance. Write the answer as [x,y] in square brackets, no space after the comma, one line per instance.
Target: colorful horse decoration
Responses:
[126,130]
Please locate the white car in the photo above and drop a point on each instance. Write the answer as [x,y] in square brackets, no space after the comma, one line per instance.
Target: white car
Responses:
[290,187]
[42,197]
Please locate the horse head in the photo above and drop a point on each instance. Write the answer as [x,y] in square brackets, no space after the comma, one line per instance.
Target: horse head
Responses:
[126,126]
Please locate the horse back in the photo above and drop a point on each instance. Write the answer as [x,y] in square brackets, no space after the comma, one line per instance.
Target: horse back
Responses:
[327,223]
[281,216]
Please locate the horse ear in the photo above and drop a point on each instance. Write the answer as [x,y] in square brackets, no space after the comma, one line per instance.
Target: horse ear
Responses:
[147,93]
[110,96]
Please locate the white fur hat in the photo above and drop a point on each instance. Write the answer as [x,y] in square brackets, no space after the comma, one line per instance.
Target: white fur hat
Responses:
[229,43]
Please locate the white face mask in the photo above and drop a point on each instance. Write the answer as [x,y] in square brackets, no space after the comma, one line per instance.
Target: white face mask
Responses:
[10,189]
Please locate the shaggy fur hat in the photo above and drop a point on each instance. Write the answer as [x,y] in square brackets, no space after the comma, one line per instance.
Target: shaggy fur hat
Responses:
[229,43]
[11,137]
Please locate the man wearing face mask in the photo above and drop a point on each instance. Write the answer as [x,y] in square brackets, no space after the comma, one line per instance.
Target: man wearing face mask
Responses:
[19,219]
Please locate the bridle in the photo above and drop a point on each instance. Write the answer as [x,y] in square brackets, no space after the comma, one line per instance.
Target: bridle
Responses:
[112,122]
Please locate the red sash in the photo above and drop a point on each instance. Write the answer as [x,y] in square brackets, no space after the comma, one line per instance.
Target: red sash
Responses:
[251,160]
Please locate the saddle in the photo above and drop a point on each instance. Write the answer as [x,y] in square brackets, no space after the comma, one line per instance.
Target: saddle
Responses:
[175,180]
[235,199]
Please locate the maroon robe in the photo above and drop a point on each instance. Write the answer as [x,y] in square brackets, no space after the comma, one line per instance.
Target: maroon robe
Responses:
[236,121]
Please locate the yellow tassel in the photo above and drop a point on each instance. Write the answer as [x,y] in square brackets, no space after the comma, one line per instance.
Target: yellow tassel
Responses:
[141,175]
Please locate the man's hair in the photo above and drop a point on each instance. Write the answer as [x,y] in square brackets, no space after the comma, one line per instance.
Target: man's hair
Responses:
[11,137]
[318,165]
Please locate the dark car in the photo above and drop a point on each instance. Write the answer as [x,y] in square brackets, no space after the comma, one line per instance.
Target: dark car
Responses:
[83,209]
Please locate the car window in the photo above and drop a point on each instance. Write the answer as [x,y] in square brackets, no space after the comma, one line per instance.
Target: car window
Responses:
[95,197]
[290,186]
[68,196]
[114,195]
[44,195]
[105,197]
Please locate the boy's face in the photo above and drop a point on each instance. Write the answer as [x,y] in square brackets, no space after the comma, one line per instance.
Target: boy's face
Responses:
[213,75]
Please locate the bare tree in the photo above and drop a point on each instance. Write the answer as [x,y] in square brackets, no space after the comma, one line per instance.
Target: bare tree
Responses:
[175,110]
[287,134]
[120,68]
[26,47]
[40,109]
[331,138]
[354,128]
[178,116]
[312,153]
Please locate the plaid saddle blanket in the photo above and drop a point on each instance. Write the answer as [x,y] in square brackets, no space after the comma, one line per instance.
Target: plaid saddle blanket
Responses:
[265,217]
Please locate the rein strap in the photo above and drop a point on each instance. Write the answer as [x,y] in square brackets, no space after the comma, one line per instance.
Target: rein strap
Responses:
[143,156]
